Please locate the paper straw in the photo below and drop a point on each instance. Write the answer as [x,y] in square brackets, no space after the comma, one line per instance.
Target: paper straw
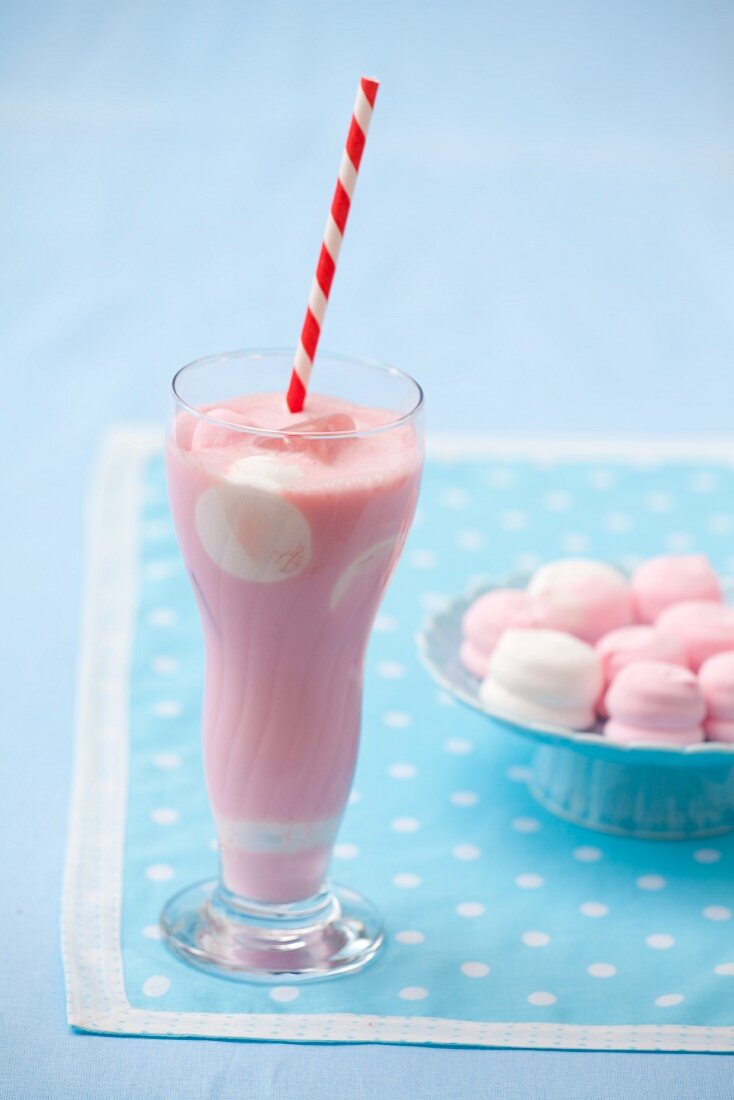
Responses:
[331,243]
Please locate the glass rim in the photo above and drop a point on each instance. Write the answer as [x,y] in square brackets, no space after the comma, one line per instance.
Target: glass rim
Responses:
[261,353]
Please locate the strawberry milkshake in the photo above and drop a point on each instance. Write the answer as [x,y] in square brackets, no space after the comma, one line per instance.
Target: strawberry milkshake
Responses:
[290,525]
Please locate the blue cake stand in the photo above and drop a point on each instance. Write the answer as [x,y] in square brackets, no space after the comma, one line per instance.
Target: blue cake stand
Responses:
[648,791]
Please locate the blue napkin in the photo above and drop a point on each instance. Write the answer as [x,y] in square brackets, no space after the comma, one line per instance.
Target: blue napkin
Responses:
[506,926]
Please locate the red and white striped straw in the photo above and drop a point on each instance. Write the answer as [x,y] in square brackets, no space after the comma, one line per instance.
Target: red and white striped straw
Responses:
[332,239]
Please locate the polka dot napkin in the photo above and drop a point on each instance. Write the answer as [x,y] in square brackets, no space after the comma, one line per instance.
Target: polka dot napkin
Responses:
[506,926]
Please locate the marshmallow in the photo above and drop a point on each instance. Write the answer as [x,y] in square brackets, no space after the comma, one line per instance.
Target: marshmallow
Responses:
[716,677]
[653,702]
[671,578]
[582,597]
[206,434]
[703,628]
[543,676]
[623,647]
[485,622]
[249,528]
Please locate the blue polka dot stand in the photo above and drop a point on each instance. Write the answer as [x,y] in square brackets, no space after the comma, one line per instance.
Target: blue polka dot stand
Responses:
[506,926]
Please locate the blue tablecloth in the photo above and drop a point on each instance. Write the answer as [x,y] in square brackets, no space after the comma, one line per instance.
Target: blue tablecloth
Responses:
[540,234]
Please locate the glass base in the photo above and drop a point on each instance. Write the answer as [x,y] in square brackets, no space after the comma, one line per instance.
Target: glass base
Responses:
[336,932]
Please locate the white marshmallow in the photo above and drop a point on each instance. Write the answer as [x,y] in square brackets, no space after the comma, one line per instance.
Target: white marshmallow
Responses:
[543,676]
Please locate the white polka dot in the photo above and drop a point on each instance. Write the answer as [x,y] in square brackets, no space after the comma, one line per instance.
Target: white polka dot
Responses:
[354,798]
[535,939]
[725,969]
[617,523]
[703,482]
[386,624]
[153,932]
[717,912]
[156,529]
[165,816]
[499,478]
[529,881]
[526,825]
[587,853]
[159,570]
[602,970]
[434,601]
[391,670]
[284,993]
[346,851]
[445,699]
[214,844]
[557,500]
[514,520]
[721,524]
[159,872]
[455,497]
[464,798]
[474,969]
[422,559]
[397,719]
[167,761]
[470,540]
[406,880]
[651,882]
[409,935]
[167,708]
[541,998]
[405,825]
[602,479]
[156,986]
[594,909]
[661,941]
[466,852]
[162,616]
[165,666]
[518,773]
[401,771]
[575,542]
[470,909]
[458,746]
[527,563]
[707,855]
[669,1000]
[678,542]
[659,502]
[413,993]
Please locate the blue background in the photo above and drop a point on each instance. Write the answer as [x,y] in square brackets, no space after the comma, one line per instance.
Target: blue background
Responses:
[543,234]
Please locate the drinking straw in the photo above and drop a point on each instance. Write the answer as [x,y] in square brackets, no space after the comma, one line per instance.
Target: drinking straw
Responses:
[331,243]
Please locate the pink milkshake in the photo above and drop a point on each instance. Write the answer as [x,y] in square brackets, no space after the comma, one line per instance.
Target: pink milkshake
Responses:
[290,526]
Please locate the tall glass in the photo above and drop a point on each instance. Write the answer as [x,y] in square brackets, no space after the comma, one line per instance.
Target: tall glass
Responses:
[290,526]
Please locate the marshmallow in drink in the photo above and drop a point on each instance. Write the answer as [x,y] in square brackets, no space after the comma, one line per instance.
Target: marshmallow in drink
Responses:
[703,628]
[248,527]
[653,702]
[668,579]
[716,677]
[543,677]
[207,434]
[582,597]
[629,644]
[485,622]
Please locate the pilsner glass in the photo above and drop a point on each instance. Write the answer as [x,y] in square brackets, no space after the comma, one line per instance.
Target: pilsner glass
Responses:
[290,526]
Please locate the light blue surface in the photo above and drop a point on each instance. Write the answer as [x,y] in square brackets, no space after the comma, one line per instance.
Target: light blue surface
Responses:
[544,210]
[427,862]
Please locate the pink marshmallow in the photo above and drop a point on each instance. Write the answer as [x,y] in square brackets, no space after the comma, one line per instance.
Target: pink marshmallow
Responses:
[485,622]
[623,647]
[206,434]
[655,703]
[716,677]
[671,578]
[582,597]
[703,628]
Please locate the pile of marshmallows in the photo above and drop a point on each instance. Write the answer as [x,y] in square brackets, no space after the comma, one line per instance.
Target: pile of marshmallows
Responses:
[653,656]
